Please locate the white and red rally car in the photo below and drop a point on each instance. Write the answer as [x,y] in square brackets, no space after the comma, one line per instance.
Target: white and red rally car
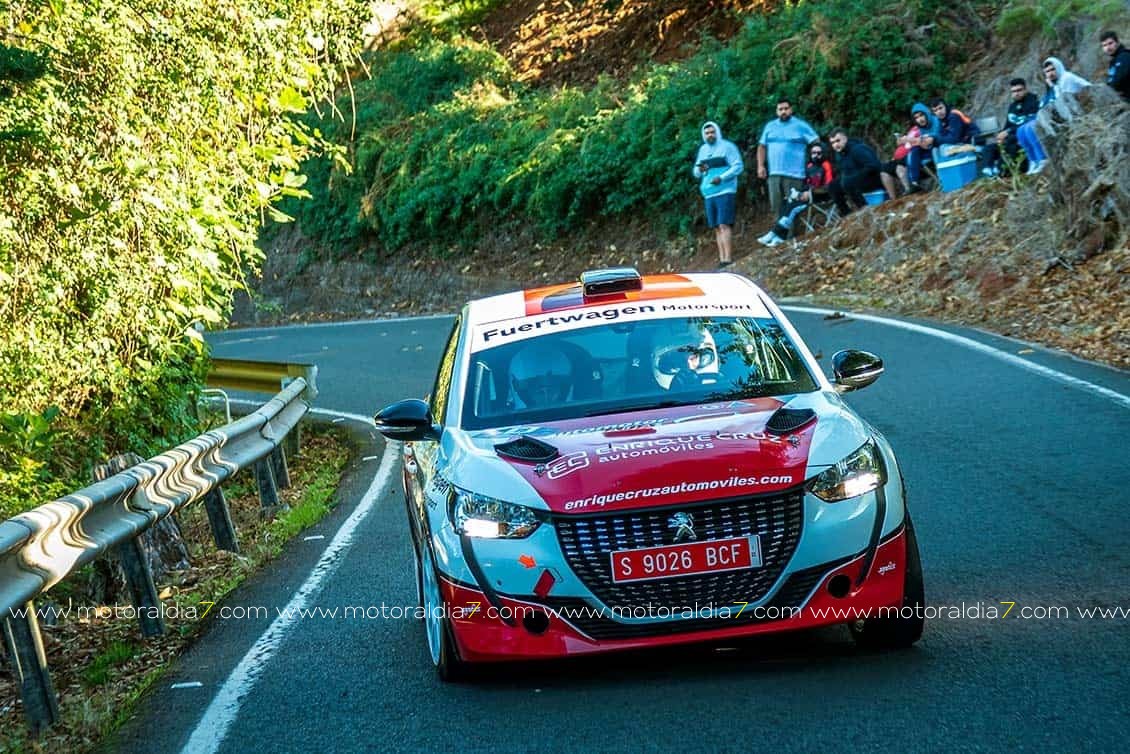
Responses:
[630,462]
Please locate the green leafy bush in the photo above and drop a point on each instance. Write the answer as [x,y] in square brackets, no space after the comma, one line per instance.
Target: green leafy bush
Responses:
[480,148]
[1024,19]
[142,144]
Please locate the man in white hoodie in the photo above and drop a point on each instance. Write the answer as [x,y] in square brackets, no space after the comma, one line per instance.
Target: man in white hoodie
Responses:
[1060,81]
[717,167]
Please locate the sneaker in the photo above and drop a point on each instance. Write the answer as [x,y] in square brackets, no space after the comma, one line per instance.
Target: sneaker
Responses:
[765,239]
[725,263]
[772,241]
[915,188]
[990,172]
[1037,167]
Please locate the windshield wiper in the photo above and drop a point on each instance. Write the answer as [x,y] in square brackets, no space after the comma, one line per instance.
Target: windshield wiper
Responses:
[636,407]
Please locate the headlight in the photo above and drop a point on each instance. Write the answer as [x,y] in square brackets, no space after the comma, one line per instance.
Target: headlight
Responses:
[487,518]
[860,472]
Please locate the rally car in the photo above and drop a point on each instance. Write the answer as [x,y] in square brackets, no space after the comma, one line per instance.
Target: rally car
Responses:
[627,462]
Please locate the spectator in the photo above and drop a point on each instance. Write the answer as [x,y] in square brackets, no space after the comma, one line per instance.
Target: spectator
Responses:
[857,170]
[954,128]
[1118,74]
[1023,108]
[906,163]
[1060,81]
[783,142]
[817,175]
[717,166]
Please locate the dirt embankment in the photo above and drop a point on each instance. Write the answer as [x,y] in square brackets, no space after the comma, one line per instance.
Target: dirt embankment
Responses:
[553,42]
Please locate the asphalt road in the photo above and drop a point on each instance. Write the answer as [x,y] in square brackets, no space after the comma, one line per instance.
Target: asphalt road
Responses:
[1017,485]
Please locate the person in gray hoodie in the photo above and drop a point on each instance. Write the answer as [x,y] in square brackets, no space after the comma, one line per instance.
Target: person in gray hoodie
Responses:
[1060,82]
[717,167]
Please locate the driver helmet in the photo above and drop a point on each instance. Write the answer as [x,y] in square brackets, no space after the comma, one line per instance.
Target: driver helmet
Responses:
[541,375]
[690,346]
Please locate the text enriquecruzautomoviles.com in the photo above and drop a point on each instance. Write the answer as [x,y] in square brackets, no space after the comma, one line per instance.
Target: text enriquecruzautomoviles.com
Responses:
[977,610]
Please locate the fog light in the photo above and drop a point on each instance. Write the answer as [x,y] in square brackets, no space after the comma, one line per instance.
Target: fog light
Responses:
[839,586]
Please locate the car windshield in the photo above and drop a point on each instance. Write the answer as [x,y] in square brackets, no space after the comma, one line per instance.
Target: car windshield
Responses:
[636,366]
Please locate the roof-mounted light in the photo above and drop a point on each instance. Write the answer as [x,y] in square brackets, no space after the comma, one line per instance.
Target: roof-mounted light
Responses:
[611,280]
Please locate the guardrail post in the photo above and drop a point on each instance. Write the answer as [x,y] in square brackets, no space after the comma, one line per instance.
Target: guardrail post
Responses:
[139,577]
[268,490]
[278,465]
[29,665]
[293,441]
[219,517]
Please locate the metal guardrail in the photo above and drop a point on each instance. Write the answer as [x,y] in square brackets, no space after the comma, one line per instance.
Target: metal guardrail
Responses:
[261,376]
[41,547]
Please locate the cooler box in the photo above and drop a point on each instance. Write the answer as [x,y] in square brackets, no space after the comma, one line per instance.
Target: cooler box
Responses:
[957,172]
[874,197]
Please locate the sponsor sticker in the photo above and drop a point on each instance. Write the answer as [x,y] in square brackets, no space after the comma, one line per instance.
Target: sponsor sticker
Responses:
[492,334]
[730,483]
[566,465]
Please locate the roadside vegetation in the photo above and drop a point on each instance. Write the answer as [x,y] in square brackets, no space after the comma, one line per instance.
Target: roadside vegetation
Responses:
[99,662]
[142,144]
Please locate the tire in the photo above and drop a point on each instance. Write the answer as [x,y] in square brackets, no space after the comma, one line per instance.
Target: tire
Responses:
[437,628]
[900,632]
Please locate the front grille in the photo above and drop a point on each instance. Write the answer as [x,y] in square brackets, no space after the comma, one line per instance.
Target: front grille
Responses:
[599,625]
[588,540]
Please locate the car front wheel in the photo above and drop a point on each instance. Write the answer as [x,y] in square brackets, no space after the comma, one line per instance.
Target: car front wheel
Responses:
[441,643]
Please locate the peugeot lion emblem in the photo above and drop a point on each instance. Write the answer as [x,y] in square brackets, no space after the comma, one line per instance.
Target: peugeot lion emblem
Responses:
[683,524]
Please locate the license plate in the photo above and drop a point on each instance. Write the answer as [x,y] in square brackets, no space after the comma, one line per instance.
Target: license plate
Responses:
[669,561]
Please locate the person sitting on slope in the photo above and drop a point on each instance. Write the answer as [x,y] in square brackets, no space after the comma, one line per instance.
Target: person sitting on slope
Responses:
[817,175]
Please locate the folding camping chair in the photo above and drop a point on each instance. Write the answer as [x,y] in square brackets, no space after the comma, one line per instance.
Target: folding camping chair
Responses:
[820,213]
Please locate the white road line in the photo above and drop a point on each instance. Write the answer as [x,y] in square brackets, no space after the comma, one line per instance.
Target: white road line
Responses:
[314,325]
[368,420]
[250,340]
[221,713]
[996,353]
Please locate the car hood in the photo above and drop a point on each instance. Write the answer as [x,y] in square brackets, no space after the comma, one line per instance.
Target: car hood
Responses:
[665,456]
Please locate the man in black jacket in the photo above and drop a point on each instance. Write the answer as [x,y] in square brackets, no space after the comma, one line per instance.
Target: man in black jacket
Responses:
[857,170]
[1023,108]
[1118,74]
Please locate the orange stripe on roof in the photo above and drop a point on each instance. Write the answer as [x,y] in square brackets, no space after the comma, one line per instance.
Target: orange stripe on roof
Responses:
[554,298]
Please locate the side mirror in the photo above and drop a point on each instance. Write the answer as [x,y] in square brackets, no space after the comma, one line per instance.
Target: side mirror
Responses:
[853,370]
[407,420]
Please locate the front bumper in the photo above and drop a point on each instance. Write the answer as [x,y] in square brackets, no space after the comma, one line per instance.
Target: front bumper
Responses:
[503,631]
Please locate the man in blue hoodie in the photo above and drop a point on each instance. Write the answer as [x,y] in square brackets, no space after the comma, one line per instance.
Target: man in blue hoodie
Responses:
[912,152]
[717,167]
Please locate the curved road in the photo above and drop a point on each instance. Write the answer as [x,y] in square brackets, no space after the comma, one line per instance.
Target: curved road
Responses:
[1017,480]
